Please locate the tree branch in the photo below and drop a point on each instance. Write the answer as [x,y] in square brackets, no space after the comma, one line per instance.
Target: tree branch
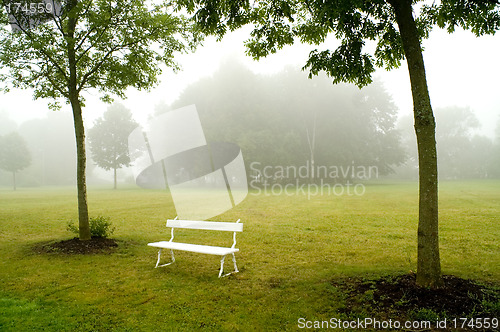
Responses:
[92,45]
[106,26]
[49,57]
[95,68]
[56,86]
[108,54]
[57,20]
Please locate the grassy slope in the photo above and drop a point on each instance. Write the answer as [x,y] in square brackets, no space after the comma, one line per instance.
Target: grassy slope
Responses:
[291,248]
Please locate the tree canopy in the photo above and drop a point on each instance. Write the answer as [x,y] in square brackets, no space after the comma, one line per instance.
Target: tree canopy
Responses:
[353,23]
[130,39]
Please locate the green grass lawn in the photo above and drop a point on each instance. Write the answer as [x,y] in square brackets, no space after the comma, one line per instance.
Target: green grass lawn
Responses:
[290,251]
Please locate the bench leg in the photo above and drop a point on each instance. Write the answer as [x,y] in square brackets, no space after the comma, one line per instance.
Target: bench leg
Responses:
[159,257]
[235,267]
[222,267]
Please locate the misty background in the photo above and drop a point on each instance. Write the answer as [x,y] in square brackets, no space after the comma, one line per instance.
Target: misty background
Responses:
[273,111]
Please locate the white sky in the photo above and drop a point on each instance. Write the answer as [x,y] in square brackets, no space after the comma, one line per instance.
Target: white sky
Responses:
[462,70]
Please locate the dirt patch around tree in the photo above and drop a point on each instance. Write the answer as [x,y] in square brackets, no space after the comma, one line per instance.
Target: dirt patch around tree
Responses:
[76,246]
[399,298]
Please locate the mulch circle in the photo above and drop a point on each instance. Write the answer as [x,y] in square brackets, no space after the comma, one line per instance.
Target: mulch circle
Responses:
[76,246]
[400,297]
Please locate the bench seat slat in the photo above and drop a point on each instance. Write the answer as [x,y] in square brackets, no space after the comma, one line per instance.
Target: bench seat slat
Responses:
[222,251]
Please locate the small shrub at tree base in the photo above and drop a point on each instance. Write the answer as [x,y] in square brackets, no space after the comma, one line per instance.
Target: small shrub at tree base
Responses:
[100,226]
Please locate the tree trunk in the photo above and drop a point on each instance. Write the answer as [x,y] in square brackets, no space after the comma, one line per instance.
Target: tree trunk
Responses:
[428,261]
[14,180]
[83,214]
[114,169]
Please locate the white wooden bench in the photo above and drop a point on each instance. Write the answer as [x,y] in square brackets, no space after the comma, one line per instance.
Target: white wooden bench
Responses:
[203,249]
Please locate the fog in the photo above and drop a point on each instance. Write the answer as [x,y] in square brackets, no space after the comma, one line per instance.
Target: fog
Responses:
[271,110]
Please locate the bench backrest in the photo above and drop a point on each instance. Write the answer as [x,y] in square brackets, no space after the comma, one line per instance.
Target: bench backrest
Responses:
[208,225]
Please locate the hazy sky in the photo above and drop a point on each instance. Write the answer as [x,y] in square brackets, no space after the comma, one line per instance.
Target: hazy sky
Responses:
[461,69]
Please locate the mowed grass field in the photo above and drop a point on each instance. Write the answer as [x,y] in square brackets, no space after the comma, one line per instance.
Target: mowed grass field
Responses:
[291,249]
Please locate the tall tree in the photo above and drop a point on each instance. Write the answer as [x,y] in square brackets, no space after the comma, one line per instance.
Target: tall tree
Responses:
[398,35]
[88,44]
[109,136]
[14,154]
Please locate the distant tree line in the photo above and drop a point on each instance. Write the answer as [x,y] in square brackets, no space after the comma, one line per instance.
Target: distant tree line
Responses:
[282,120]
[288,120]
[462,152]
[14,155]
[50,146]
